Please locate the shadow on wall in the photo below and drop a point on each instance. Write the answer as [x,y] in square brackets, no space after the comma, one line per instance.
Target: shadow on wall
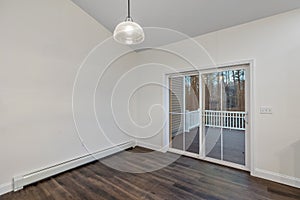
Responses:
[290,155]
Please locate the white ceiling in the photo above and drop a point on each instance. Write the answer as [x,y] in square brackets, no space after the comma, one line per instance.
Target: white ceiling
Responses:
[192,17]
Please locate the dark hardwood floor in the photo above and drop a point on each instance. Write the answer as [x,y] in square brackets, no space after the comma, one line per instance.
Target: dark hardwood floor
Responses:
[186,178]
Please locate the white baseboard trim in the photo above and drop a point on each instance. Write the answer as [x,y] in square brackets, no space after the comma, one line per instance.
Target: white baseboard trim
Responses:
[6,188]
[277,177]
[20,181]
[151,146]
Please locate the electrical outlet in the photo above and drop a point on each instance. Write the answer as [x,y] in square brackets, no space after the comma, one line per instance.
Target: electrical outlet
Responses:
[266,110]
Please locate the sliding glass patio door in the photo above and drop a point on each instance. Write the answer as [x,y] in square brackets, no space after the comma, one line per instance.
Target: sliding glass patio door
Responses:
[224,115]
[208,115]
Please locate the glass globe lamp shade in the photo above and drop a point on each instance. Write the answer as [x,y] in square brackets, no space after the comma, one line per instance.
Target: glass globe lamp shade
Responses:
[129,32]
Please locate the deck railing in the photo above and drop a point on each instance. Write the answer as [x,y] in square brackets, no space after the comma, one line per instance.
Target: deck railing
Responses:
[216,119]
[225,119]
[192,119]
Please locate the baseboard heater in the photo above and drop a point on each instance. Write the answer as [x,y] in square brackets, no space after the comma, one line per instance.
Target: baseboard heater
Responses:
[20,181]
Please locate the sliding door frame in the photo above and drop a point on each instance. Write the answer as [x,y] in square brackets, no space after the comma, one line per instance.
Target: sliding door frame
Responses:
[249,104]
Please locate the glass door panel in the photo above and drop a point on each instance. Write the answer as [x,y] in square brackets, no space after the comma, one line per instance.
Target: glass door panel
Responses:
[211,100]
[184,113]
[233,97]
[176,112]
[192,115]
[223,96]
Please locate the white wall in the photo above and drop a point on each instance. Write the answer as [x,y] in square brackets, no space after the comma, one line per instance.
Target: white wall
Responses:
[43,42]
[274,44]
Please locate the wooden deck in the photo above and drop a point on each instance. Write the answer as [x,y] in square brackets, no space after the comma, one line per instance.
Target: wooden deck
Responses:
[186,178]
[233,144]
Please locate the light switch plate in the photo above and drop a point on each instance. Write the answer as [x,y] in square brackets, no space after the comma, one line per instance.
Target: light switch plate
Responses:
[266,110]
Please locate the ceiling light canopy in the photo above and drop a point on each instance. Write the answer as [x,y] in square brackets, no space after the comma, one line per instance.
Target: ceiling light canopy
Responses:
[129,32]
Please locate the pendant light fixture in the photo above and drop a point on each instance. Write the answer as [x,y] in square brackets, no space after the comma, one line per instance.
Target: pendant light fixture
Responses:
[129,32]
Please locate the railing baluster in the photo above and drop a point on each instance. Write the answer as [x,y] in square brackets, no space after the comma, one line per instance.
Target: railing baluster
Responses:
[210,118]
[239,120]
[216,119]
[207,117]
[225,120]
[243,120]
[219,119]
[230,121]
[234,120]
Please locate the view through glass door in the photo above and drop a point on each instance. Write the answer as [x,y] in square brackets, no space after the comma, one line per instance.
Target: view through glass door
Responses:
[184,113]
[207,114]
[224,127]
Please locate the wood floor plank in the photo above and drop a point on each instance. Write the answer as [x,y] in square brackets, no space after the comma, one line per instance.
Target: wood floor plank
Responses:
[176,178]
